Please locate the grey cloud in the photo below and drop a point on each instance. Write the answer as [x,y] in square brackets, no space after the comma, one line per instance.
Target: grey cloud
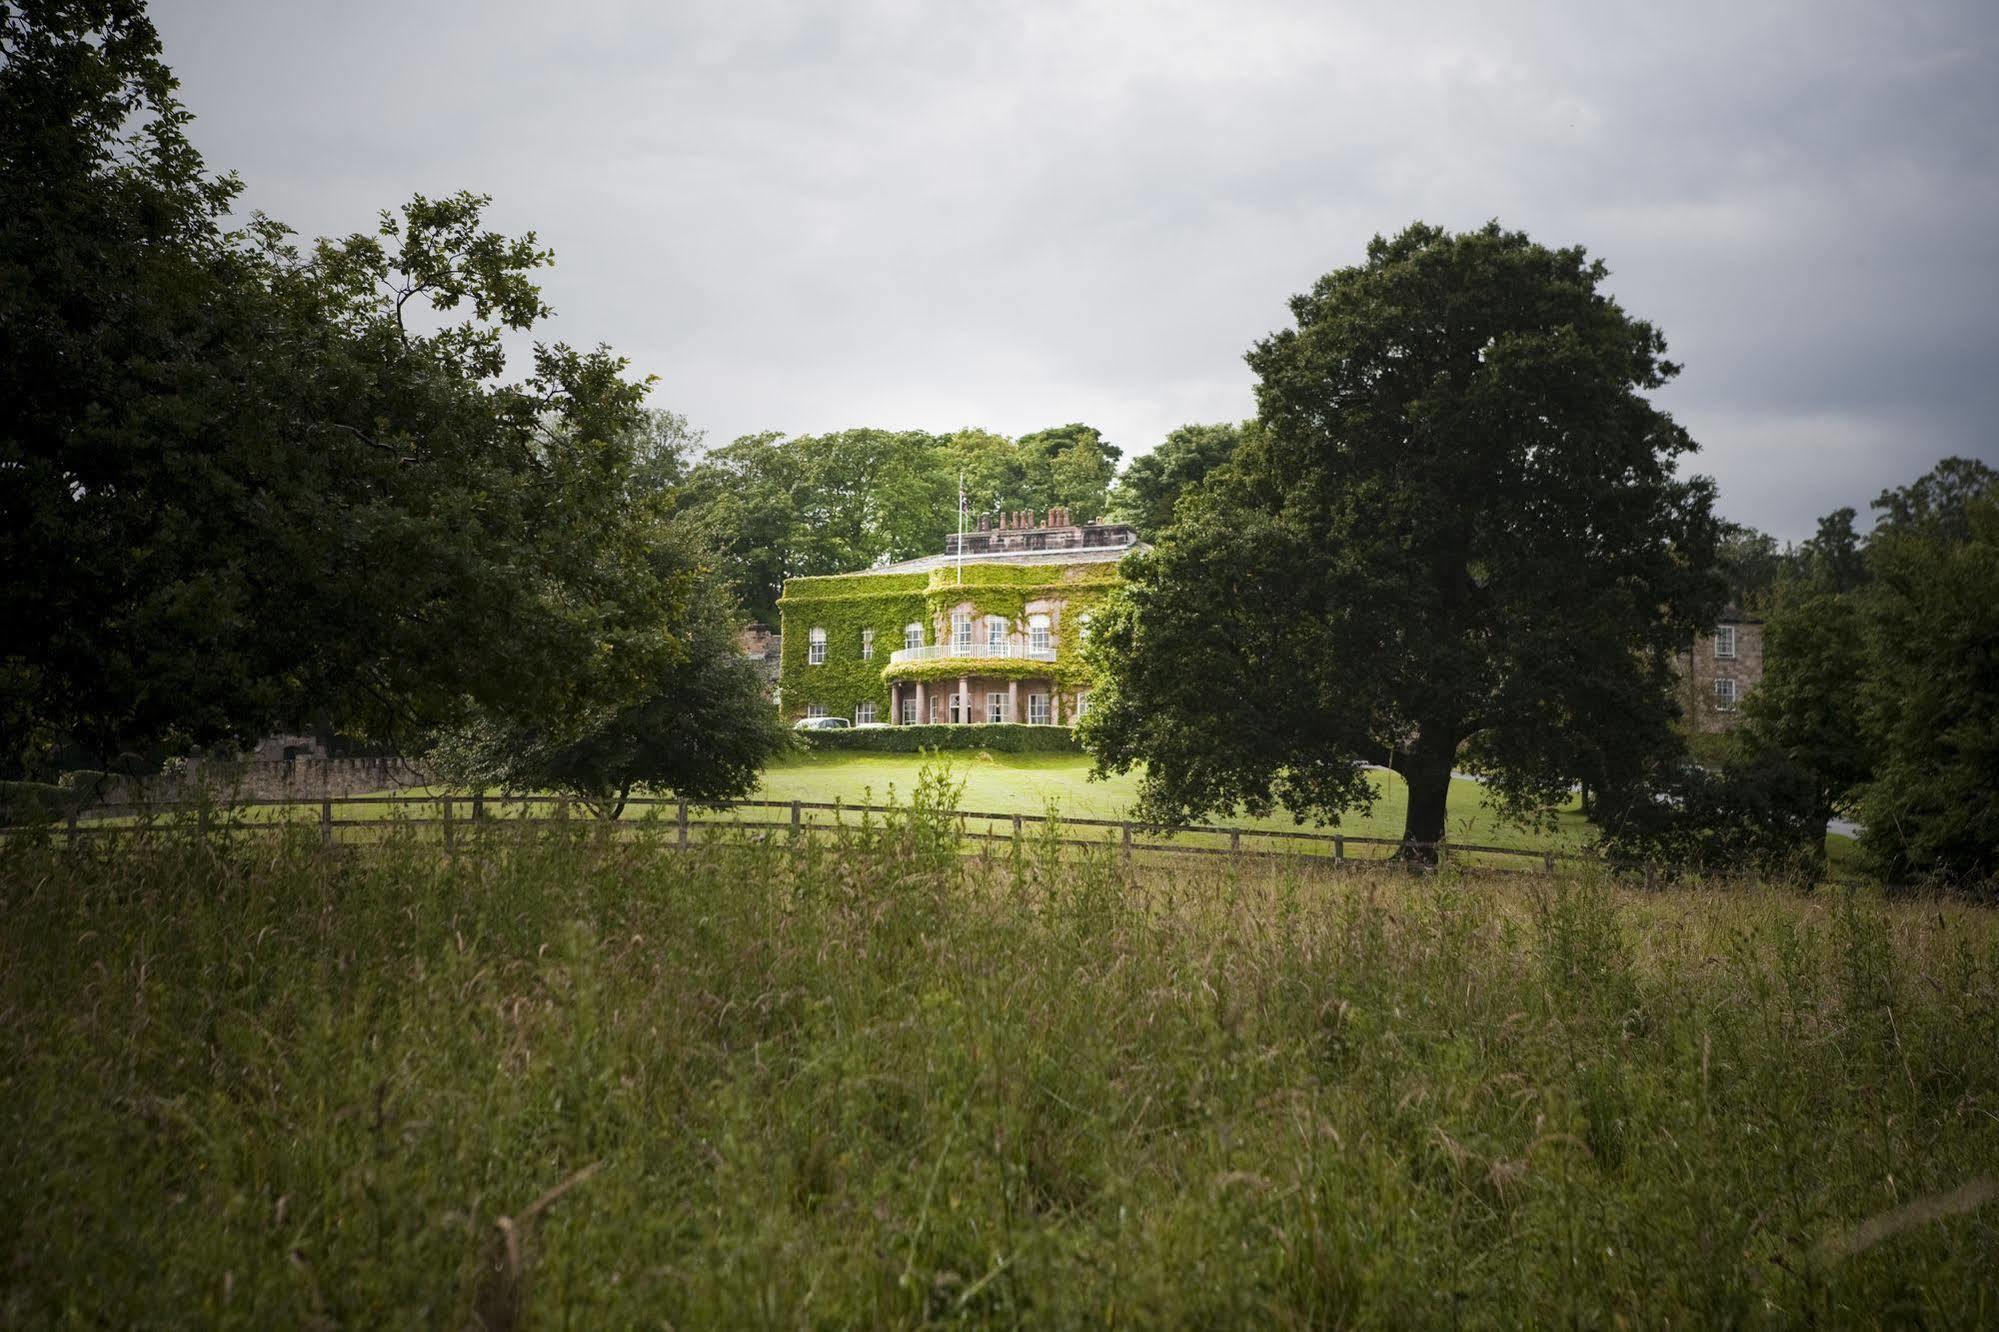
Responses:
[803,217]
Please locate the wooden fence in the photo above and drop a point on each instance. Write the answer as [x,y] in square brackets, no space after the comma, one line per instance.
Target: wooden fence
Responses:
[456,817]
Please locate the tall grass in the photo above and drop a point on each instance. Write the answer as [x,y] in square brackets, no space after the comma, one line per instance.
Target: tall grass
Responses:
[872,1081]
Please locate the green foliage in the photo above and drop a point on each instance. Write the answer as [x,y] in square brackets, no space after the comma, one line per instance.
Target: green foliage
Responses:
[263,486]
[1931,698]
[1070,465]
[1458,539]
[998,737]
[38,802]
[1937,504]
[816,505]
[1154,482]
[1757,813]
[1807,706]
[844,606]
[1752,564]
[876,1082]
[703,731]
[1879,676]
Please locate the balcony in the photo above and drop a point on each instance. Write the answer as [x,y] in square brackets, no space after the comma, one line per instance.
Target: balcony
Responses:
[1008,651]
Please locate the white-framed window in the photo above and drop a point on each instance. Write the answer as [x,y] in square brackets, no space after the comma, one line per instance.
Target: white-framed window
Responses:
[912,636]
[1724,640]
[957,703]
[909,712]
[1083,625]
[1082,703]
[863,712]
[1724,695]
[996,634]
[815,709]
[1037,709]
[995,707]
[961,631]
[815,649]
[867,645]
[1037,633]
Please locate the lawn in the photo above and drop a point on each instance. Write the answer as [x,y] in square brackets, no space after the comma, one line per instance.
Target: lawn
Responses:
[1030,783]
[868,1080]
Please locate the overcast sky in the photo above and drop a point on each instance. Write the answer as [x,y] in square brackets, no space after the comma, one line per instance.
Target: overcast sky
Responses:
[804,217]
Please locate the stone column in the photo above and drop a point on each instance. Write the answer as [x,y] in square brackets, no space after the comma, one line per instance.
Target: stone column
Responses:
[1013,700]
[894,703]
[922,714]
[965,698]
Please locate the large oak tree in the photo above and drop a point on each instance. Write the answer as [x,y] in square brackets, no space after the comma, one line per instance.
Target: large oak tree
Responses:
[1457,541]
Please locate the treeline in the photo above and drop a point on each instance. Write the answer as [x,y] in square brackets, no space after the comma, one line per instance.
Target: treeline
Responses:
[776,507]
[1880,695]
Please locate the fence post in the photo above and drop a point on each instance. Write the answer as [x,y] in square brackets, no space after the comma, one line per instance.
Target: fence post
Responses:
[1339,847]
[796,817]
[447,823]
[1235,841]
[1016,827]
[1442,851]
[1548,861]
[326,821]
[1127,839]
[680,820]
[478,806]
[1651,876]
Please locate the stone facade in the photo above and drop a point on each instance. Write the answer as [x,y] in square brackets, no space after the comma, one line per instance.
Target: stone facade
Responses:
[1719,671]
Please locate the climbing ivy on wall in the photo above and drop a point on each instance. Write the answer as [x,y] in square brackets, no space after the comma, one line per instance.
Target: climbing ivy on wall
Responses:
[845,604]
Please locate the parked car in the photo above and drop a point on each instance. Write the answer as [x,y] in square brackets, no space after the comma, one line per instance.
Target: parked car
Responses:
[821,724]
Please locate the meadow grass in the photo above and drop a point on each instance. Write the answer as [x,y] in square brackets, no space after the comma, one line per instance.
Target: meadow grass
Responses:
[866,1079]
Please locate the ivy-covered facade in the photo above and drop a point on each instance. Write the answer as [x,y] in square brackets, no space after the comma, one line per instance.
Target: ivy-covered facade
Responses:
[987,634]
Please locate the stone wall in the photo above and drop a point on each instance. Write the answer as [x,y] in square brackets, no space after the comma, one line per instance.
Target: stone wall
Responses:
[298,778]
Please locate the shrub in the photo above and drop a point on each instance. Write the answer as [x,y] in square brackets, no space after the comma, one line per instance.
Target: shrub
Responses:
[37,802]
[1000,737]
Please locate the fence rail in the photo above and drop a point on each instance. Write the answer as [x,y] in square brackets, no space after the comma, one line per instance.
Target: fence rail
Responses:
[457,815]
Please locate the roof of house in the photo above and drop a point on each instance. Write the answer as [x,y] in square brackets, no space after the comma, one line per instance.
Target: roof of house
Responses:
[1073,555]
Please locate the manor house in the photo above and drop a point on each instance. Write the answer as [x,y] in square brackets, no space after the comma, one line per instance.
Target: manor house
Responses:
[987,631]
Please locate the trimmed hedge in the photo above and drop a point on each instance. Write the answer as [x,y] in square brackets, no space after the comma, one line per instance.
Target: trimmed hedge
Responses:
[38,802]
[1002,737]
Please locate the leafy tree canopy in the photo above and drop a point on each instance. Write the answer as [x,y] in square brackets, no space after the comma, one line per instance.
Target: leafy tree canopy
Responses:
[1929,686]
[778,507]
[1939,501]
[1458,539]
[702,730]
[1153,482]
[261,485]
[1751,562]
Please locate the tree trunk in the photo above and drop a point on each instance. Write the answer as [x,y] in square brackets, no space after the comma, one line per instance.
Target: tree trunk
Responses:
[1427,770]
